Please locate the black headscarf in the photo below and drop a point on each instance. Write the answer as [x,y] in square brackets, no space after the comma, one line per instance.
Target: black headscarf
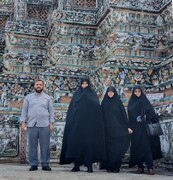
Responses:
[113,110]
[84,130]
[140,105]
[85,80]
[88,91]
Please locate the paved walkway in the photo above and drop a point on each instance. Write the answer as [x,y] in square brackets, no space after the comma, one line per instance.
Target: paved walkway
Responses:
[20,172]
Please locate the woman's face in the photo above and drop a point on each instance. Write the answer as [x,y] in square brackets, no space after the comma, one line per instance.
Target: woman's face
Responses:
[137,92]
[110,94]
[84,84]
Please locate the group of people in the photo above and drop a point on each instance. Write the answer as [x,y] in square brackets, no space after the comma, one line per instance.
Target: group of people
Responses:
[93,132]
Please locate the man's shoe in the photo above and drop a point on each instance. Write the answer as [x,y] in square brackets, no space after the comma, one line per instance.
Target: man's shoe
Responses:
[75,169]
[33,168]
[46,168]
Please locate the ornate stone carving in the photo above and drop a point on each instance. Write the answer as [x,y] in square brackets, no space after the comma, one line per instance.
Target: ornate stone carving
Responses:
[74,17]
[151,5]
[24,27]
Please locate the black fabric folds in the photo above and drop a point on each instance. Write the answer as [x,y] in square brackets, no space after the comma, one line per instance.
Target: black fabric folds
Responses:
[116,130]
[141,143]
[83,138]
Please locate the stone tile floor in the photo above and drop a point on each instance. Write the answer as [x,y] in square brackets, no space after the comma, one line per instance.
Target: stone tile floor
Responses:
[20,172]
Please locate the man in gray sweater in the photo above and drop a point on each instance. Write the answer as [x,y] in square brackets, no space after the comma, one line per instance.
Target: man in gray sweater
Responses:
[38,119]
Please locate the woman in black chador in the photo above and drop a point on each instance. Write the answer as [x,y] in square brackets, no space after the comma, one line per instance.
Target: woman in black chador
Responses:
[83,140]
[144,148]
[116,130]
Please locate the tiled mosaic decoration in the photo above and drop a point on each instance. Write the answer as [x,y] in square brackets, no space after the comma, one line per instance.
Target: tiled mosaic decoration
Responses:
[37,12]
[86,3]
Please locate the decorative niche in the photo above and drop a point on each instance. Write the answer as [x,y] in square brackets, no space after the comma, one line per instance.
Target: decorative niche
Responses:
[86,4]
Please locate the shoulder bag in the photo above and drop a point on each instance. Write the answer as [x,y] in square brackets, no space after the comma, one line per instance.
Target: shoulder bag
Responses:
[154,128]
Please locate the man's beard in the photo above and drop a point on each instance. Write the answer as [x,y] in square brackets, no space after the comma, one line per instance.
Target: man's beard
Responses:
[38,91]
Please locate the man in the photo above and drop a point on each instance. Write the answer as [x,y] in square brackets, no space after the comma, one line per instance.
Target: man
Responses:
[38,118]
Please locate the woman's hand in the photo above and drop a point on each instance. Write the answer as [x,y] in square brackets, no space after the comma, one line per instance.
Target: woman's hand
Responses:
[130,130]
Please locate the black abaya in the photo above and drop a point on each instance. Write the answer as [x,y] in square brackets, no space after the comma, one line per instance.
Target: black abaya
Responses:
[141,143]
[116,131]
[83,139]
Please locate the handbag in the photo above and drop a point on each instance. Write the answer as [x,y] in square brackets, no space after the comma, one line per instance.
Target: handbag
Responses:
[154,129]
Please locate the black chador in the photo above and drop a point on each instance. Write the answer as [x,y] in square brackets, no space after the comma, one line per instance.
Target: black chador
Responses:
[144,148]
[83,140]
[116,131]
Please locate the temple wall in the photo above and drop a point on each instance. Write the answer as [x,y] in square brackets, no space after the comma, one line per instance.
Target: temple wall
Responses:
[120,43]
